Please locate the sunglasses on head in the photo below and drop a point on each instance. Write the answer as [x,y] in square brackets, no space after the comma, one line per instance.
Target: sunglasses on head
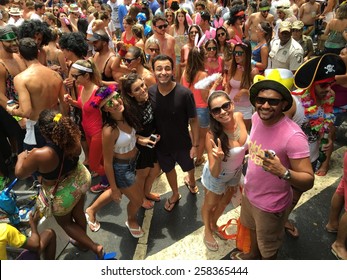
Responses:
[109,103]
[75,76]
[238,53]
[211,49]
[270,101]
[221,34]
[326,85]
[128,60]
[162,26]
[217,110]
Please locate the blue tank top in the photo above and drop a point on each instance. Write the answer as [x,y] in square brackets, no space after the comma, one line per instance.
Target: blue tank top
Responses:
[256,53]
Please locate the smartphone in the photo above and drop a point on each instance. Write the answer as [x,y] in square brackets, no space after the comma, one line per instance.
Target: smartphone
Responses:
[153,138]
[270,154]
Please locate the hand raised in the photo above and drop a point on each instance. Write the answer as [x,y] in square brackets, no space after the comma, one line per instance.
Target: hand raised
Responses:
[217,151]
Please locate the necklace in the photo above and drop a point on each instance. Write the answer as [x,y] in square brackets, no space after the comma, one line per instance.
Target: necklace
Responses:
[235,136]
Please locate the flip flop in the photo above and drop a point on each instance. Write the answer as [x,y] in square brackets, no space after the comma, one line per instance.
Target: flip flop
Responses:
[236,255]
[212,246]
[171,204]
[147,204]
[192,189]
[108,256]
[94,227]
[292,229]
[153,196]
[133,230]
[331,230]
[335,254]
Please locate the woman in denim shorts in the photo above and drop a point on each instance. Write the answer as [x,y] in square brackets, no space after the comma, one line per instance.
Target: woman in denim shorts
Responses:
[120,155]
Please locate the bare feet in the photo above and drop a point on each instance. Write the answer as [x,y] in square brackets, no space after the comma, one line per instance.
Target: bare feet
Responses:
[323,169]
[331,228]
[99,251]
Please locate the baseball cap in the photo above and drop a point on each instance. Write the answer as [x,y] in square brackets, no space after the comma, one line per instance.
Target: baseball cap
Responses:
[285,26]
[99,35]
[298,24]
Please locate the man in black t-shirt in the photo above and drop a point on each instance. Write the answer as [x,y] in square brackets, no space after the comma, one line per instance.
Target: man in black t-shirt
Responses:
[174,110]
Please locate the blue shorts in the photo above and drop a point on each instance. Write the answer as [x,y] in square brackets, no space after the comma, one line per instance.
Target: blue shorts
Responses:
[124,172]
[223,182]
[203,117]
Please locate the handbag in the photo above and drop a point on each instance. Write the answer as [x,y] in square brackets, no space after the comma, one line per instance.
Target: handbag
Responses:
[242,235]
[44,200]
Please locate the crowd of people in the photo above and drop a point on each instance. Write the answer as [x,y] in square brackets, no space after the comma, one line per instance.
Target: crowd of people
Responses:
[140,86]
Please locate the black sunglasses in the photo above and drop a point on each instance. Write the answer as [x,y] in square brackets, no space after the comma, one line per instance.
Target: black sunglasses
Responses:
[221,34]
[129,60]
[154,50]
[238,53]
[270,101]
[193,32]
[265,11]
[162,26]
[211,49]
[217,110]
[75,76]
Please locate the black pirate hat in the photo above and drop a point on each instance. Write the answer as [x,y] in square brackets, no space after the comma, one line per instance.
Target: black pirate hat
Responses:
[319,68]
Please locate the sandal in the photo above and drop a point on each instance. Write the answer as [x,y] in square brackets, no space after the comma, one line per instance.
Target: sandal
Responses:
[291,229]
[169,206]
[212,246]
[94,227]
[192,189]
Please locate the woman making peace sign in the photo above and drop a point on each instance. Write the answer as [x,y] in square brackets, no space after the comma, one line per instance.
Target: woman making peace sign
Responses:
[226,144]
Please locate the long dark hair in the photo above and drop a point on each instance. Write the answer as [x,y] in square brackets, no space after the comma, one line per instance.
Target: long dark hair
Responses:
[246,80]
[215,127]
[195,63]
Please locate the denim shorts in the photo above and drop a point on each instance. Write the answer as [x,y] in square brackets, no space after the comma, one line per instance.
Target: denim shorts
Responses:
[203,117]
[124,173]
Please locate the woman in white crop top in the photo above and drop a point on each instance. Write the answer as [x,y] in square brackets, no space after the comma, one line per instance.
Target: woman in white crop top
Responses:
[120,155]
[226,144]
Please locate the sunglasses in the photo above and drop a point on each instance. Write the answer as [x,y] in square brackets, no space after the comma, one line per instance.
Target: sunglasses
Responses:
[265,11]
[193,32]
[270,101]
[128,60]
[238,53]
[162,26]
[154,50]
[75,76]
[326,85]
[221,34]
[211,49]
[217,110]
[169,15]
[109,103]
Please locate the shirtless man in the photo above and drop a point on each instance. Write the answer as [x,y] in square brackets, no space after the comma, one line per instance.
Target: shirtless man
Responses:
[308,14]
[28,9]
[256,18]
[104,57]
[38,88]
[10,66]
[167,42]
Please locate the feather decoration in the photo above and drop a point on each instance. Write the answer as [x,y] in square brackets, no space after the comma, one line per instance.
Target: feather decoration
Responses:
[206,82]
[101,94]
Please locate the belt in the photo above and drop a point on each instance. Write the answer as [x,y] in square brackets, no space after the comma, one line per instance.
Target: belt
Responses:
[128,160]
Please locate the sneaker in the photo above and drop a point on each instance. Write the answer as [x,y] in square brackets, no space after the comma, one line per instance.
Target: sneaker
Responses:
[99,188]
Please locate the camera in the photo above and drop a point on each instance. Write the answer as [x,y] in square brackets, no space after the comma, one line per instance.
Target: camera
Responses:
[153,138]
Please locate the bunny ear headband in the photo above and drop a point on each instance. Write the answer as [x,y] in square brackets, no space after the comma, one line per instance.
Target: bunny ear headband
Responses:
[237,41]
[210,34]
[219,23]
[198,42]
[189,19]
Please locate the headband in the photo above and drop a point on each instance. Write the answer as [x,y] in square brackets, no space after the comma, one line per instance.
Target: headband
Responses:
[267,8]
[8,36]
[82,68]
[240,14]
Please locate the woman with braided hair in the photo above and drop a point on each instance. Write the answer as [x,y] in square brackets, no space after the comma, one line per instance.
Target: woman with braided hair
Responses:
[62,173]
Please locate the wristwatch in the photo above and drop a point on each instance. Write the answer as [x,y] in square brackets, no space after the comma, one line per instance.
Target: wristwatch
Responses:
[287,176]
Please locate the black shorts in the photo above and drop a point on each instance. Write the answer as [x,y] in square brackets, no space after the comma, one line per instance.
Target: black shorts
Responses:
[147,157]
[167,161]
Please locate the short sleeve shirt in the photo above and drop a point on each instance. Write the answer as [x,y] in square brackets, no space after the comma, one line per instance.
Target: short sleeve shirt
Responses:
[9,235]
